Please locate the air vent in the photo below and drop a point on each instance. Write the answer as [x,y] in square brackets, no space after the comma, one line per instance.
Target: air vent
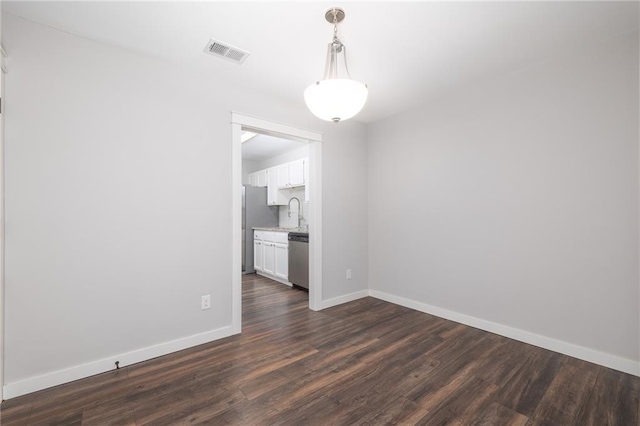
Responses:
[226,51]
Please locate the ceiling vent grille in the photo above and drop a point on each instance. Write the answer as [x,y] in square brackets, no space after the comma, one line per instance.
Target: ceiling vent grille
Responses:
[226,51]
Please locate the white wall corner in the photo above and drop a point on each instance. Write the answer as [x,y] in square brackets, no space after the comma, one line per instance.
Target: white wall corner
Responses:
[3,59]
[601,358]
[344,299]
[236,223]
[33,384]
[315,226]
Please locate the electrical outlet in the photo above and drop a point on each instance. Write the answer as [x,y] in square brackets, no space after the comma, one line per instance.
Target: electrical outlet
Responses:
[205,302]
[348,274]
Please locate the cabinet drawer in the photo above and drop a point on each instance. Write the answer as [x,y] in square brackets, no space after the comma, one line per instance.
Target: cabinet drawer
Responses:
[272,236]
[264,235]
[267,236]
[281,237]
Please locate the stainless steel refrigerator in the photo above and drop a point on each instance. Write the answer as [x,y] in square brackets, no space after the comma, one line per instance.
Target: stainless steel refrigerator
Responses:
[255,213]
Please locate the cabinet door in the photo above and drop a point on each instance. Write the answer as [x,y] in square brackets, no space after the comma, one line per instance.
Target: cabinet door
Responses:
[258,255]
[268,267]
[262,179]
[282,261]
[296,173]
[283,176]
[272,187]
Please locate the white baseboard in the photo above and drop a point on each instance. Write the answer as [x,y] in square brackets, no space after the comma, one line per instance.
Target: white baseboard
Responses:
[344,299]
[11,390]
[601,358]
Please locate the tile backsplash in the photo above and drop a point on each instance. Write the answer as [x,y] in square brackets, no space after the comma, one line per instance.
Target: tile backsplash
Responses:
[292,222]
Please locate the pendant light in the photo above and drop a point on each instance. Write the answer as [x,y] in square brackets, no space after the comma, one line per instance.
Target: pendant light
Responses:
[335,98]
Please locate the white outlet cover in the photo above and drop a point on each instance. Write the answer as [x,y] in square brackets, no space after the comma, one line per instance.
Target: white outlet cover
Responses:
[205,302]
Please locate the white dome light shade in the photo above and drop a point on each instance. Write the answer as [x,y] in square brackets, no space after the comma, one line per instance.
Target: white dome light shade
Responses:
[336,99]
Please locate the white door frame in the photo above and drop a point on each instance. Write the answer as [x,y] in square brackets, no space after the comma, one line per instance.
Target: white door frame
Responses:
[3,71]
[238,121]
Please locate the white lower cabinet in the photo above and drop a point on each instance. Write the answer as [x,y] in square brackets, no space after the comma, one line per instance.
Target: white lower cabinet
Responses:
[271,255]
[281,261]
[269,266]
[258,255]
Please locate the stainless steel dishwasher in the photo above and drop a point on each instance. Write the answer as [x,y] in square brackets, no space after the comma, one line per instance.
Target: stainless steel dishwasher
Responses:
[299,259]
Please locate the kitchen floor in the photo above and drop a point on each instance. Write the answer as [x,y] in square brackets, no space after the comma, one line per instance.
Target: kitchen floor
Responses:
[251,280]
[364,362]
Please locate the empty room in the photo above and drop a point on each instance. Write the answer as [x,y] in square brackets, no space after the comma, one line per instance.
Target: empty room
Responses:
[210,213]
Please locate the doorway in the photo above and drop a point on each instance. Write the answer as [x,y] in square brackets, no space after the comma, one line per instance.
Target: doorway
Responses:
[243,123]
[275,213]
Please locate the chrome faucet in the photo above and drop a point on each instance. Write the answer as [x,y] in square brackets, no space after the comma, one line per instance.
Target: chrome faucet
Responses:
[289,206]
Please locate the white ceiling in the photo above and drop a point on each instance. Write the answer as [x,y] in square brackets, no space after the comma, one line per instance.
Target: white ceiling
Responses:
[407,53]
[263,147]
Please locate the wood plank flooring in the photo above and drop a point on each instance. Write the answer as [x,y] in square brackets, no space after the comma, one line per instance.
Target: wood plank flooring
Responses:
[367,362]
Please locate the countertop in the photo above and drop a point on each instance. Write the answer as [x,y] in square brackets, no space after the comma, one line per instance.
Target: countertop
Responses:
[303,230]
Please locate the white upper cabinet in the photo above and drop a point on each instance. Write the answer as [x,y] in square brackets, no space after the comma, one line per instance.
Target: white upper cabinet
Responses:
[283,175]
[261,178]
[273,193]
[258,178]
[291,174]
[296,173]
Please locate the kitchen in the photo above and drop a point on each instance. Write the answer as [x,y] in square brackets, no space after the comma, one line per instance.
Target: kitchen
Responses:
[275,200]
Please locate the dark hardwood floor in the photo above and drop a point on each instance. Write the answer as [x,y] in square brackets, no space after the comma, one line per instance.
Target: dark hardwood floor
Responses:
[367,362]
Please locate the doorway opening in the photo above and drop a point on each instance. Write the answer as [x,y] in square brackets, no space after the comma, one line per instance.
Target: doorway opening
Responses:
[277,208]
[275,219]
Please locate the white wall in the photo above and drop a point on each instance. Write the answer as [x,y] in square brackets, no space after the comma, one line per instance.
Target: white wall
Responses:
[515,200]
[1,221]
[345,202]
[286,157]
[118,175]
